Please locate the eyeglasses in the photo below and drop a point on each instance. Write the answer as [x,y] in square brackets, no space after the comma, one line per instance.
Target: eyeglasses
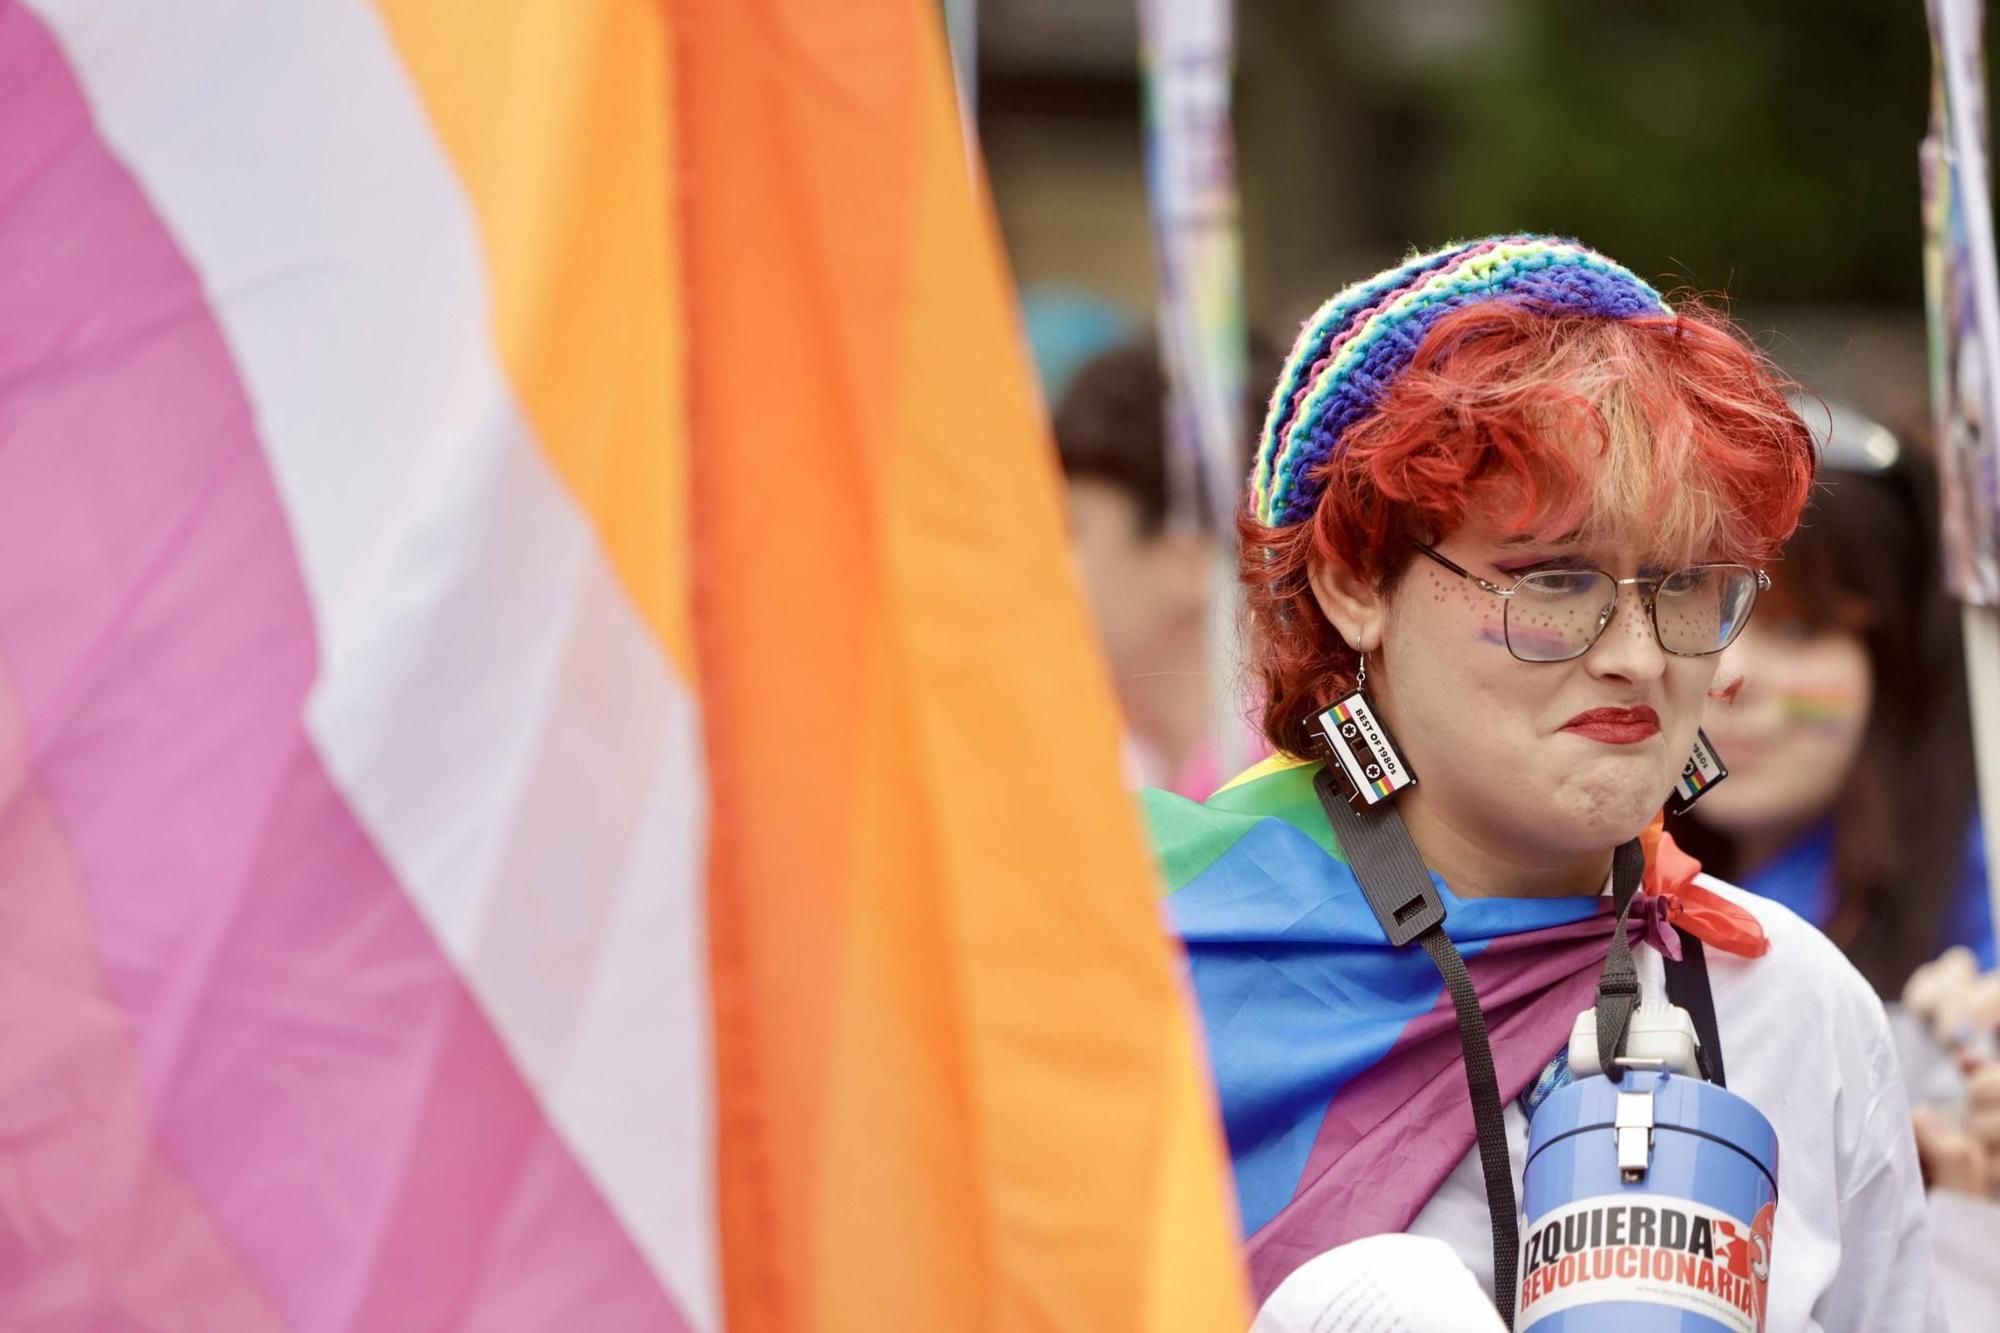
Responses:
[1555,615]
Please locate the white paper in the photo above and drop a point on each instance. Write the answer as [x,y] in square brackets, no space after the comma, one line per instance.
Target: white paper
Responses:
[1381,1284]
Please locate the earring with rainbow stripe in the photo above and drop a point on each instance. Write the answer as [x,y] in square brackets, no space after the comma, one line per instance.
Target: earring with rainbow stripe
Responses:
[1704,769]
[1363,749]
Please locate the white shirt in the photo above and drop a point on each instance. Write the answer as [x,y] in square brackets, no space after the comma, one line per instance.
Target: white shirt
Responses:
[1968,1238]
[1804,1039]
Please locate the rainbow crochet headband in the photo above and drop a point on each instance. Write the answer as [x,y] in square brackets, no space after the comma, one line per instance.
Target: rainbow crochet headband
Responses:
[1355,347]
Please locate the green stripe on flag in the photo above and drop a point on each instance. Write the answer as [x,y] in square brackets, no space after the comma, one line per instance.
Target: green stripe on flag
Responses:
[1188,837]
[1288,795]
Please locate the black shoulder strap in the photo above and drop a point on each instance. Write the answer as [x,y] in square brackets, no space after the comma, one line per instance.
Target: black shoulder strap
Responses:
[1406,902]
[1378,848]
[1687,986]
[1618,983]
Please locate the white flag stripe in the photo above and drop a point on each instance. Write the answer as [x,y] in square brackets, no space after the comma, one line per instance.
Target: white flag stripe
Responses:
[500,720]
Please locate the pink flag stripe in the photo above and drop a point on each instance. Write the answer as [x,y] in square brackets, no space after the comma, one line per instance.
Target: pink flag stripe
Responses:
[1398,1129]
[307,1056]
[98,1229]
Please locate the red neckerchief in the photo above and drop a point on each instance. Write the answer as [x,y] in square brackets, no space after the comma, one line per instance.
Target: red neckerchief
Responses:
[1686,905]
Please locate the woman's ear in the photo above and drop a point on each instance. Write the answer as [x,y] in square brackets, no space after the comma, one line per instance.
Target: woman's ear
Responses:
[1350,603]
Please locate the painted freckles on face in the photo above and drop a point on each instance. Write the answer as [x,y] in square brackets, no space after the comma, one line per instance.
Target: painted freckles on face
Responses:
[1551,758]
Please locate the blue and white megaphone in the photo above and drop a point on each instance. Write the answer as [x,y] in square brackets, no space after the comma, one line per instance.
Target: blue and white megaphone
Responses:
[1650,1194]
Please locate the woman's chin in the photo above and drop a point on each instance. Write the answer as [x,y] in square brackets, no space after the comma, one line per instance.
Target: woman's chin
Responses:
[1612,809]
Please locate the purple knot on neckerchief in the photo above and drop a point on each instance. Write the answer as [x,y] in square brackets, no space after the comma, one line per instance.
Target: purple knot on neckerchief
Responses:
[1651,911]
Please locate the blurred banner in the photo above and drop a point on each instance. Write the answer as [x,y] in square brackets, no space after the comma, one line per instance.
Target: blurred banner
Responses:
[1963,301]
[1962,298]
[961,24]
[1188,55]
[552,771]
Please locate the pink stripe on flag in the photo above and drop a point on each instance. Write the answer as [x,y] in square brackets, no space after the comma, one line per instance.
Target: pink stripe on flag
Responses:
[309,1059]
[1407,1120]
[98,1229]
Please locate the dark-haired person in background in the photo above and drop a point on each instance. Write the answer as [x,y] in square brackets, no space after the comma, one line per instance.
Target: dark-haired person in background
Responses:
[1851,790]
[1851,795]
[1150,576]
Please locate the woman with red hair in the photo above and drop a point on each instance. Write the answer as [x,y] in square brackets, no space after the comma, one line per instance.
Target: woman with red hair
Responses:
[1508,505]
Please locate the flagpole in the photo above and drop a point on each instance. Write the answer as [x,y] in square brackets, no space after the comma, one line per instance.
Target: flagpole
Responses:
[1963,287]
[1188,59]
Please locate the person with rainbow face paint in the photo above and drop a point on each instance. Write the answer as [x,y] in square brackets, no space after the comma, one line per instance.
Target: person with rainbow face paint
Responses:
[1523,501]
[1849,735]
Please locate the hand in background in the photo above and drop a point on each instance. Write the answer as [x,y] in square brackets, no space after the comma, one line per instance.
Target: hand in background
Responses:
[1982,1116]
[1949,1155]
[1961,1008]
[1960,1005]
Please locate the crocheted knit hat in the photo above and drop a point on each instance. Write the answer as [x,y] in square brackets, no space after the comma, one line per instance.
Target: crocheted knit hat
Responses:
[1359,343]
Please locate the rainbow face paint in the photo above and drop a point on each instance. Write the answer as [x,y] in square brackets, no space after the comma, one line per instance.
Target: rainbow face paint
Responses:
[1830,709]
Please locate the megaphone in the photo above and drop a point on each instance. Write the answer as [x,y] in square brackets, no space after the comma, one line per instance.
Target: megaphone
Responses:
[1650,1193]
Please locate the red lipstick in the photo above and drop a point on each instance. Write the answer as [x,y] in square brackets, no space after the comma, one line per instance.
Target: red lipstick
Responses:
[1615,726]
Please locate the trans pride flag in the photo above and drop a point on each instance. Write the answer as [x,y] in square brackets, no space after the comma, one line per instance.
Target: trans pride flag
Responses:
[550,769]
[1336,1056]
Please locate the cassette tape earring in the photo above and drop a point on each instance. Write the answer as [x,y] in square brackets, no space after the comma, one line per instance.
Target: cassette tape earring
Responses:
[1704,769]
[1362,747]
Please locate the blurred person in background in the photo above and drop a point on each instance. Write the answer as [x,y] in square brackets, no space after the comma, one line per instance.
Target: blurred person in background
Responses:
[1150,574]
[1851,793]
[1958,1138]
[1851,799]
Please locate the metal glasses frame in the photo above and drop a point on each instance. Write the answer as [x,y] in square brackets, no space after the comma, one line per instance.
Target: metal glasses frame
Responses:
[1650,600]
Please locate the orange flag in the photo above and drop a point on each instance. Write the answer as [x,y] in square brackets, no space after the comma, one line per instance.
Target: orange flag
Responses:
[957,1082]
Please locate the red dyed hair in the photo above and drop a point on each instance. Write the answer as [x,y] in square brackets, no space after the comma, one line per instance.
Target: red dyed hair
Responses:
[1674,427]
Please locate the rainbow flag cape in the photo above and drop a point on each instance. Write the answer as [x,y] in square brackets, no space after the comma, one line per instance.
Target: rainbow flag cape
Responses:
[1337,1057]
[552,773]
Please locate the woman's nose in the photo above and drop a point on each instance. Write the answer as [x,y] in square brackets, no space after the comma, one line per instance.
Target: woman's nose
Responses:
[1628,647]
